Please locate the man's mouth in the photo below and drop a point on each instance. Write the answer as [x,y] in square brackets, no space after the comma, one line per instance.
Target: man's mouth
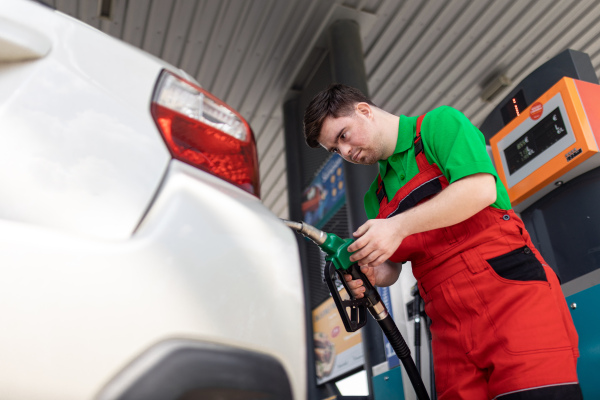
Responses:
[355,156]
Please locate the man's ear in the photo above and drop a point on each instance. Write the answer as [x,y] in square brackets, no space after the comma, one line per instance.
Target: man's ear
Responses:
[364,109]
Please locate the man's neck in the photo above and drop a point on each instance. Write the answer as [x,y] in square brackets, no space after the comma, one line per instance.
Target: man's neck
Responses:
[388,125]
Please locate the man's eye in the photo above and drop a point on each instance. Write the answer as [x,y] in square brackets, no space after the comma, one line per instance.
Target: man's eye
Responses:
[334,150]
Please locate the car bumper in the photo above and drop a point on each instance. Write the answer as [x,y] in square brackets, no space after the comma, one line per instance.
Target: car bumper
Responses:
[208,263]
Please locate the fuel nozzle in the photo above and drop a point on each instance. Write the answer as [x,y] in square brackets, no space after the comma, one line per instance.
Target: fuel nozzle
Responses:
[335,247]
[338,258]
[314,234]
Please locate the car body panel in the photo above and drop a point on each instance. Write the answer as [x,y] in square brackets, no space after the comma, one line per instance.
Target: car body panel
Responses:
[80,310]
[99,158]
[108,246]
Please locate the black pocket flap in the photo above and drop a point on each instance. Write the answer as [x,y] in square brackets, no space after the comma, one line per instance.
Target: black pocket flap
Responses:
[519,265]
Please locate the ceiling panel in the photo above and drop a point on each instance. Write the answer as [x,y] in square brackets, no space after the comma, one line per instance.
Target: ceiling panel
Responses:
[418,54]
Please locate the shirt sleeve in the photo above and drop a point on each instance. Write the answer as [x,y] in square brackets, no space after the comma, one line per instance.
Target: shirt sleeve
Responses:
[456,145]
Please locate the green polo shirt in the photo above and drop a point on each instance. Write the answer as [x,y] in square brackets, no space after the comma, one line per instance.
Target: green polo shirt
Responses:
[450,140]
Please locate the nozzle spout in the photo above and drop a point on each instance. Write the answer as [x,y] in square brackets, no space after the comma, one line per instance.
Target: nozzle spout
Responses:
[316,235]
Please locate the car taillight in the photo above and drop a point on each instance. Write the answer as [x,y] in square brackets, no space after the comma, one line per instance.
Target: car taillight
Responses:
[203,131]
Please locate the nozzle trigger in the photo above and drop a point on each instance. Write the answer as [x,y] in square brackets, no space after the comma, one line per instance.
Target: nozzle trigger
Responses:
[358,307]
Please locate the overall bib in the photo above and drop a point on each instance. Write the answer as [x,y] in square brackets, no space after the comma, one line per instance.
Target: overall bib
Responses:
[500,322]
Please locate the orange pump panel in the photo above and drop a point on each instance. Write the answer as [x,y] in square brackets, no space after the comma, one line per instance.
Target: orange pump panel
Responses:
[582,103]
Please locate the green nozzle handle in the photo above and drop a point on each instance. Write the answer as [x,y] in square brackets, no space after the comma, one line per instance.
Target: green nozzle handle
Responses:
[337,251]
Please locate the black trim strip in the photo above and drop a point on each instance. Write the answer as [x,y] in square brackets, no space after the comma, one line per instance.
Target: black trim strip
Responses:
[426,189]
[564,391]
[418,146]
[381,192]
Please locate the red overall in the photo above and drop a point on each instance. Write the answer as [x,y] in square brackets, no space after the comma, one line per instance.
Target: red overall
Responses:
[500,322]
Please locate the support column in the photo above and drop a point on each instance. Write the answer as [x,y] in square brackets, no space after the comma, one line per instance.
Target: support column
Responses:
[348,68]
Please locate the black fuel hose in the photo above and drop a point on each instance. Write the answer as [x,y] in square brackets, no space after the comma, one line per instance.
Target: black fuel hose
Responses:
[390,330]
[402,350]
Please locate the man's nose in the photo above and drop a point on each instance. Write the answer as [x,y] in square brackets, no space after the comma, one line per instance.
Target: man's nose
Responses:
[345,150]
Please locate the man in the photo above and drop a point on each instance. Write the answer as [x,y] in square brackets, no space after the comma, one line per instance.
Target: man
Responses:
[500,323]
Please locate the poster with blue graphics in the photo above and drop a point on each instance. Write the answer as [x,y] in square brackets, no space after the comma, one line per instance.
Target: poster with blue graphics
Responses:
[326,194]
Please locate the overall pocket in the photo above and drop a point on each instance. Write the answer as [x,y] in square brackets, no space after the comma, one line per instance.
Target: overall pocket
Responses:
[520,302]
[518,265]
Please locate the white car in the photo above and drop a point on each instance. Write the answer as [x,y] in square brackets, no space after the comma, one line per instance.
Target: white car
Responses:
[136,260]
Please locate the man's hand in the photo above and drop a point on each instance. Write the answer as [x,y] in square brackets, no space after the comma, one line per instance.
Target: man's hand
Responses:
[377,240]
[356,286]
[384,274]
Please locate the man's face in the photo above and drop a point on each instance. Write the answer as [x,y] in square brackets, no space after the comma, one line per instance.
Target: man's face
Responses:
[354,137]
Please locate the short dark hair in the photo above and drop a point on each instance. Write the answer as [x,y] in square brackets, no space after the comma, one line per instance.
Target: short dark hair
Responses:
[336,101]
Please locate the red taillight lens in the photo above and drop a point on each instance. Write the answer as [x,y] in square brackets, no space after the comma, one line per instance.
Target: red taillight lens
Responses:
[202,131]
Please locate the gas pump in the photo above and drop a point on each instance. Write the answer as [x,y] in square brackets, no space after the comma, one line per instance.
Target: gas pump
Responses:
[551,142]
[546,151]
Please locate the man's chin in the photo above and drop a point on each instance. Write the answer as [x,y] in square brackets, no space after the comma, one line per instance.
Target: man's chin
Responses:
[361,161]
[365,161]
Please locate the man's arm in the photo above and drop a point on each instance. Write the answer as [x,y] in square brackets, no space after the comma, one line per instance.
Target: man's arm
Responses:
[378,239]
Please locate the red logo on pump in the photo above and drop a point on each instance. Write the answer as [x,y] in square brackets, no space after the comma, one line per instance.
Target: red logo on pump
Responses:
[537,109]
[335,331]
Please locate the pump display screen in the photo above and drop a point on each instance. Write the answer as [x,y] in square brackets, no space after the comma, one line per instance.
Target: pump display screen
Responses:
[539,138]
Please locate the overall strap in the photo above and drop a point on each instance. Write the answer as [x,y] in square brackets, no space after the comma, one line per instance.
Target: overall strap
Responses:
[419,155]
[422,162]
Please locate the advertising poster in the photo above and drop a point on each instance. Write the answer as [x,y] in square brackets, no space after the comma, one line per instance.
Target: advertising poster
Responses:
[336,351]
[326,193]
